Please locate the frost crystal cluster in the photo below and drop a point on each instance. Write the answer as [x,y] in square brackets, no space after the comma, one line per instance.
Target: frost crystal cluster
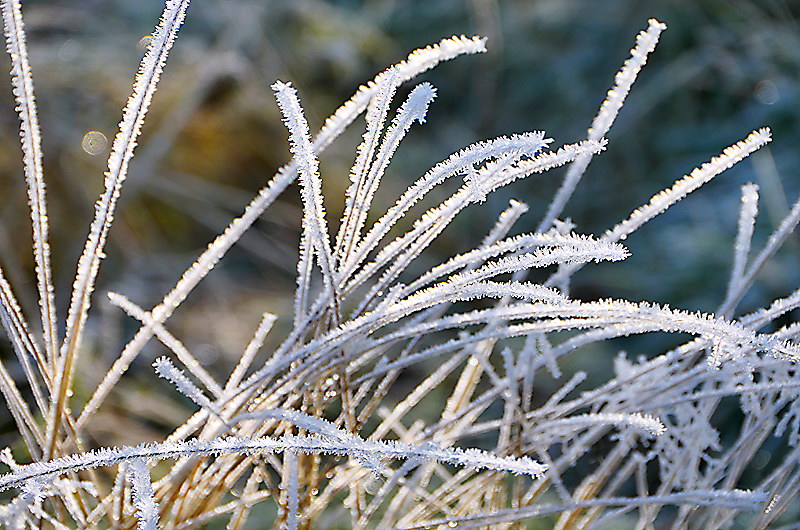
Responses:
[312,428]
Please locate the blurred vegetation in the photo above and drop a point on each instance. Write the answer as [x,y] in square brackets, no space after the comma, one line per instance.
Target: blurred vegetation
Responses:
[214,137]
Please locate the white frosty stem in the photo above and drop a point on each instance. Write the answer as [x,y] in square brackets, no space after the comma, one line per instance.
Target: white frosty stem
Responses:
[645,43]
[181,352]
[414,109]
[165,368]
[739,499]
[698,177]
[528,143]
[25,348]
[143,495]
[465,286]
[663,200]
[376,114]
[747,220]
[406,247]
[774,243]
[642,422]
[122,149]
[264,327]
[30,138]
[315,227]
[291,488]
[248,446]
[417,62]
[506,246]
[18,408]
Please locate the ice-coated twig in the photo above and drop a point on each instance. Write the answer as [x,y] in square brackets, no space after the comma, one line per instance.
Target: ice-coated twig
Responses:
[757,319]
[698,177]
[25,421]
[25,349]
[315,227]
[143,495]
[247,446]
[774,243]
[733,340]
[318,426]
[418,61]
[579,244]
[413,109]
[641,422]
[759,388]
[31,140]
[547,161]
[291,487]
[741,499]
[168,339]
[305,265]
[505,221]
[645,43]
[663,200]
[13,515]
[747,220]
[464,286]
[255,344]
[529,143]
[165,368]
[436,219]
[376,114]
[133,116]
[25,346]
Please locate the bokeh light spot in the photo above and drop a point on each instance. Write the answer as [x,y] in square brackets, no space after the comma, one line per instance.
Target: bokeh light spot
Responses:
[94,142]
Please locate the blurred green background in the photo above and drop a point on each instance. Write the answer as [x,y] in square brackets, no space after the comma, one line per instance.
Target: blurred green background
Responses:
[214,136]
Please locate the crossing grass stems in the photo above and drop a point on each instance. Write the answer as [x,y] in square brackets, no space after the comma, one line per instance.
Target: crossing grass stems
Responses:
[314,430]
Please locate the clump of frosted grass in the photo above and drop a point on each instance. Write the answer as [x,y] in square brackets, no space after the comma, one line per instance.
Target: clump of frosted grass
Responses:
[316,430]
